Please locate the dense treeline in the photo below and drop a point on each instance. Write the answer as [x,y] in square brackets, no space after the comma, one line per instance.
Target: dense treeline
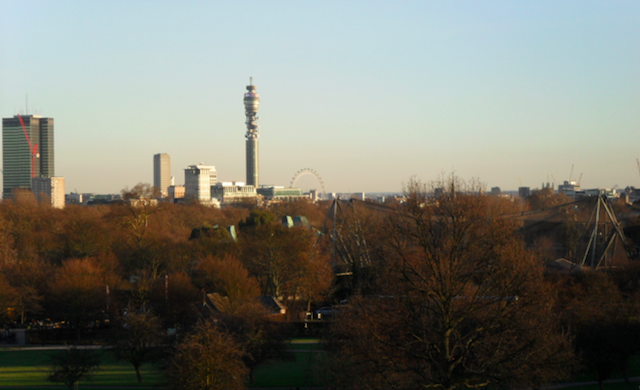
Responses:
[440,291]
[71,264]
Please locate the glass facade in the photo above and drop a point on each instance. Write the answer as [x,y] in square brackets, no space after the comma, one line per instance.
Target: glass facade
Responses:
[17,156]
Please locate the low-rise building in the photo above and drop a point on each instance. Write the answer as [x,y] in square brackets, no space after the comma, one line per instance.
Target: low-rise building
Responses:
[176,192]
[280,193]
[232,192]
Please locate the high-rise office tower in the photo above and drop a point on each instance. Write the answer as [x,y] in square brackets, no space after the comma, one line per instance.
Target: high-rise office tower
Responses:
[251,103]
[27,151]
[162,173]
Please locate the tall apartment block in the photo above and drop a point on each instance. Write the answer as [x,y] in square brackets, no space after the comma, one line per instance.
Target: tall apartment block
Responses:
[162,173]
[27,151]
[198,180]
[49,190]
[251,103]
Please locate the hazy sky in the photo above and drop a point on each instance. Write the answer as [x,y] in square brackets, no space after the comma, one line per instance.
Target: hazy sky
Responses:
[366,93]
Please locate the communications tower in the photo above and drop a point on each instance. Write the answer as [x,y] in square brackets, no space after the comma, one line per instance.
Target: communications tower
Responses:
[251,103]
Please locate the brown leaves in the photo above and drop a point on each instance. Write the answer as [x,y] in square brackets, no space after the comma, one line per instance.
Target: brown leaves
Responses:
[285,261]
[230,279]
[79,289]
[208,358]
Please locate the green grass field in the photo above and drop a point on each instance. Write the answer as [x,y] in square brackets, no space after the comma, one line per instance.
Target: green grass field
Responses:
[29,368]
[609,386]
[297,373]
[26,368]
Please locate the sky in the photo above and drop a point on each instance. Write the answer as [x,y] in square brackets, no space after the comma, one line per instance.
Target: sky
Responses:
[368,94]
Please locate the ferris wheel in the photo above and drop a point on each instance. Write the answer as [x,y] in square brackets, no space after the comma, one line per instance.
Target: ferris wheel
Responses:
[308,171]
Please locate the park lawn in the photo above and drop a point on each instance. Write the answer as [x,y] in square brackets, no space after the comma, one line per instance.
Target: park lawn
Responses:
[299,373]
[633,370]
[608,386]
[29,368]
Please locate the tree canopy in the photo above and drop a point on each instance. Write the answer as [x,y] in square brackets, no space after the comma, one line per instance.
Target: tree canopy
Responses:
[463,303]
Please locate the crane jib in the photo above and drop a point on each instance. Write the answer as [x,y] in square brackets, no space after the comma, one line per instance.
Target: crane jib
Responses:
[32,149]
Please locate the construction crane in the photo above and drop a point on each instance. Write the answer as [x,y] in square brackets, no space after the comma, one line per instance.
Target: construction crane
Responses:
[32,149]
[571,174]
[638,162]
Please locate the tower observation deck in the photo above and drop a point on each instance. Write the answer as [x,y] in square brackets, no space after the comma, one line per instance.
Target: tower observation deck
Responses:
[251,103]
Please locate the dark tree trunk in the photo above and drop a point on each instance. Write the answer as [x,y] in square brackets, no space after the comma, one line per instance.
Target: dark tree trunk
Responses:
[138,374]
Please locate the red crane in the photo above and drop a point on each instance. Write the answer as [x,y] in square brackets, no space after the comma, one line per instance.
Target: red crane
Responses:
[32,149]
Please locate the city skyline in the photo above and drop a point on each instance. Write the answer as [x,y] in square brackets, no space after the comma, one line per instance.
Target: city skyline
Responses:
[366,94]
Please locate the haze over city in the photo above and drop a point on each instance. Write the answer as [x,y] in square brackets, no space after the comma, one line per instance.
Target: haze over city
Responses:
[368,94]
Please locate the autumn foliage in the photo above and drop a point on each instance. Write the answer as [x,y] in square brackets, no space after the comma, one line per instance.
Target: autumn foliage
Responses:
[436,291]
[462,303]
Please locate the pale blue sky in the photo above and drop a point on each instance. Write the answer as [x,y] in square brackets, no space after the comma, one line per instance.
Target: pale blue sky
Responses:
[367,93]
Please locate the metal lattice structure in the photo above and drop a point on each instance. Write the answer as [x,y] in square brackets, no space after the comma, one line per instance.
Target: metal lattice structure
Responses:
[585,231]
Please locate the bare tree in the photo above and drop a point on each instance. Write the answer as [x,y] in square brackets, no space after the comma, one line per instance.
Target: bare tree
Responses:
[463,304]
[72,364]
[138,343]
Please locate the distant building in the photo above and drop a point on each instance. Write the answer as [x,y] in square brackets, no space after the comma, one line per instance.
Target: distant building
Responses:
[280,193]
[198,180]
[176,192]
[231,192]
[162,173]
[633,194]
[99,199]
[27,151]
[142,202]
[569,188]
[524,192]
[73,198]
[359,196]
[50,190]
[496,191]
[608,192]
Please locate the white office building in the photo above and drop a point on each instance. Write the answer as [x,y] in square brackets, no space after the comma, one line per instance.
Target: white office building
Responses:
[230,192]
[198,180]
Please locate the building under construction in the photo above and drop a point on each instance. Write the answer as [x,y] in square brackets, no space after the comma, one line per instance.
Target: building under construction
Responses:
[27,151]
